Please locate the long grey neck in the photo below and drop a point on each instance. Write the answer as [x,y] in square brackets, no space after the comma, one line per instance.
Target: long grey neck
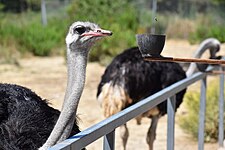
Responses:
[77,62]
[212,44]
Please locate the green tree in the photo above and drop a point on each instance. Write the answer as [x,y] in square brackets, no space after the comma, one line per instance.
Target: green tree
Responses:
[18,6]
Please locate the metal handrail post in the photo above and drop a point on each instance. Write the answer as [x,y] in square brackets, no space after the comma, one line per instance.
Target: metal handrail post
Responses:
[171,105]
[201,126]
[221,110]
[109,141]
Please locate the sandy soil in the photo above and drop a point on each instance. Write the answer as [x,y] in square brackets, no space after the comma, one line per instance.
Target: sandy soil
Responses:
[47,77]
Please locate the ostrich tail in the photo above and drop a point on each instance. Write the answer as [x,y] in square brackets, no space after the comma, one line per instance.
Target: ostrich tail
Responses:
[113,99]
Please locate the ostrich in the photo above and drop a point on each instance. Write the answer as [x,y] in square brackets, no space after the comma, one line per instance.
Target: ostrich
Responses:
[129,79]
[26,120]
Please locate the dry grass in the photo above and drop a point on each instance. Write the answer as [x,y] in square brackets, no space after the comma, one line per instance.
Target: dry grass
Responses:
[180,28]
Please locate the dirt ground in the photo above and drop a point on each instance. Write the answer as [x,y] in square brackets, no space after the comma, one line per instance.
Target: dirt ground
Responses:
[47,77]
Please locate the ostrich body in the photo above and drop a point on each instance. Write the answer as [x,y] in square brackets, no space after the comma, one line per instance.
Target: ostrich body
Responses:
[26,120]
[129,79]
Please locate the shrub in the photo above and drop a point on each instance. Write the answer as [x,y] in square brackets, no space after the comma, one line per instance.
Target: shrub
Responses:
[8,42]
[31,36]
[8,33]
[41,40]
[9,54]
[203,32]
[207,27]
[189,122]
[20,6]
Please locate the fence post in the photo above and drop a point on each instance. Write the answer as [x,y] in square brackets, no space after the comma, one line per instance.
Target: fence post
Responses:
[221,109]
[109,141]
[43,12]
[201,125]
[171,106]
[154,8]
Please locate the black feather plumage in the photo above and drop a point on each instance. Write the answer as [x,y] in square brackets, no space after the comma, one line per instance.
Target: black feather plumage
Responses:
[140,78]
[26,120]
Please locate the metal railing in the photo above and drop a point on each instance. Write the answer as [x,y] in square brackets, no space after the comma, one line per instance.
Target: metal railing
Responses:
[106,128]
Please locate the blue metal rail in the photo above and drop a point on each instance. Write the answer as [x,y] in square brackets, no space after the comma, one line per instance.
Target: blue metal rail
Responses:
[107,127]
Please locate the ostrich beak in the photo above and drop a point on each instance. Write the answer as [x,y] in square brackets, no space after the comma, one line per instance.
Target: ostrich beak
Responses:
[98,33]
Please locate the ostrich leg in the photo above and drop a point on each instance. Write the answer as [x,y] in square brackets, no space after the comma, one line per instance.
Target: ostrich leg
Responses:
[151,135]
[124,134]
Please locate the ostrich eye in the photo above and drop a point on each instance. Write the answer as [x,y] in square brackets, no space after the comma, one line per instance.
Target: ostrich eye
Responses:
[79,29]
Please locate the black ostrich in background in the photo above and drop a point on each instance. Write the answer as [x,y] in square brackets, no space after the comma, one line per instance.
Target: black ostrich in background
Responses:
[129,79]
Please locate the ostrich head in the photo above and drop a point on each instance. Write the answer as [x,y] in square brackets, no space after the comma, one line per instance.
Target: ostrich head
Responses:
[213,45]
[82,35]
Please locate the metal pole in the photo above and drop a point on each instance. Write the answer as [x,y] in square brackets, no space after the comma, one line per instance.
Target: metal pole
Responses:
[43,13]
[221,110]
[201,124]
[154,8]
[171,106]
[109,141]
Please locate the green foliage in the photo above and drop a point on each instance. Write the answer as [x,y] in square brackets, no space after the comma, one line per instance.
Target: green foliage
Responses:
[189,122]
[1,6]
[40,40]
[218,2]
[9,54]
[31,36]
[207,27]
[8,33]
[203,32]
[20,6]
[118,16]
